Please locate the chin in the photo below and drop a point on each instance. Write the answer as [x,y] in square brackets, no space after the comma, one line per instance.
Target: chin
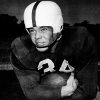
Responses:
[42,49]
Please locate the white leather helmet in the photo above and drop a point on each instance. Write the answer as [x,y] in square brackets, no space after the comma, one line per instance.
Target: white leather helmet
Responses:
[44,13]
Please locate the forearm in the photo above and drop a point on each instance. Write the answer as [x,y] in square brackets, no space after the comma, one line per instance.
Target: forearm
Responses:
[78,94]
[30,84]
[87,87]
[42,93]
[32,88]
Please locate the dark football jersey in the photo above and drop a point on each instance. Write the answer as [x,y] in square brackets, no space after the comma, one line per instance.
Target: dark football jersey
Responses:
[28,58]
[75,51]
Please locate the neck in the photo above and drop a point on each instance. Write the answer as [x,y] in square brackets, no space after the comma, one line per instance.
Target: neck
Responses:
[54,47]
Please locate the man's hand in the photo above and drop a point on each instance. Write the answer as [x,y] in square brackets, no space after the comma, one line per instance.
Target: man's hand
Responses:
[70,87]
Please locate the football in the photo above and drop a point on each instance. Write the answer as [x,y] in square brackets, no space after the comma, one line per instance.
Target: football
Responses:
[55,80]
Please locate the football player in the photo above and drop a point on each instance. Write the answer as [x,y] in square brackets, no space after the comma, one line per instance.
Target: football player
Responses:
[46,60]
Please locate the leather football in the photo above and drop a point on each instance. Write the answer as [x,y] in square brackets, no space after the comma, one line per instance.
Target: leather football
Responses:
[55,80]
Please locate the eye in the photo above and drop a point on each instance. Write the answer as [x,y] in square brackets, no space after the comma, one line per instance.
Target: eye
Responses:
[32,31]
[43,29]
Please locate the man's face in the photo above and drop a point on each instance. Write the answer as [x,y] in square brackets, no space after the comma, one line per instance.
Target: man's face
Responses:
[41,36]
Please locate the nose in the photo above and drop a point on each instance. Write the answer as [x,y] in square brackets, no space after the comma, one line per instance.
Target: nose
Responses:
[37,35]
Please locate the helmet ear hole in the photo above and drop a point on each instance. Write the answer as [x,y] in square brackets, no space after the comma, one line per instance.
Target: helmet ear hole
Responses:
[61,28]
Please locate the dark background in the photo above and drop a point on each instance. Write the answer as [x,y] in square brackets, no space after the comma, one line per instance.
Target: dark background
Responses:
[75,12]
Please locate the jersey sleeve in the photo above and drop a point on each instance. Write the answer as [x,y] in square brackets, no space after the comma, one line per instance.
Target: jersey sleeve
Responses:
[86,72]
[30,84]
[29,79]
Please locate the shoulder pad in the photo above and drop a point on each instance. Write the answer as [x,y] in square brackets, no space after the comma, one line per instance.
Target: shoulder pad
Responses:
[21,52]
[18,47]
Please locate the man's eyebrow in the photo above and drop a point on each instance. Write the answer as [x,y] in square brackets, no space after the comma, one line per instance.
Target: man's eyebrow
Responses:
[45,27]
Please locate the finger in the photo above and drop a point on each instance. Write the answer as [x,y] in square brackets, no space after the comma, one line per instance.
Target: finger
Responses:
[70,79]
[76,81]
[71,76]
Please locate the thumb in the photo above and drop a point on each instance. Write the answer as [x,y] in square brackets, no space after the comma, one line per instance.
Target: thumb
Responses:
[71,76]
[70,79]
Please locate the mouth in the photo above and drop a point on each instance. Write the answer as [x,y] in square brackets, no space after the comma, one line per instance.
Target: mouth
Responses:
[40,44]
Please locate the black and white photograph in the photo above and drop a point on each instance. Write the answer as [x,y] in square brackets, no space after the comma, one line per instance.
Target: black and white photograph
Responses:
[49,49]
